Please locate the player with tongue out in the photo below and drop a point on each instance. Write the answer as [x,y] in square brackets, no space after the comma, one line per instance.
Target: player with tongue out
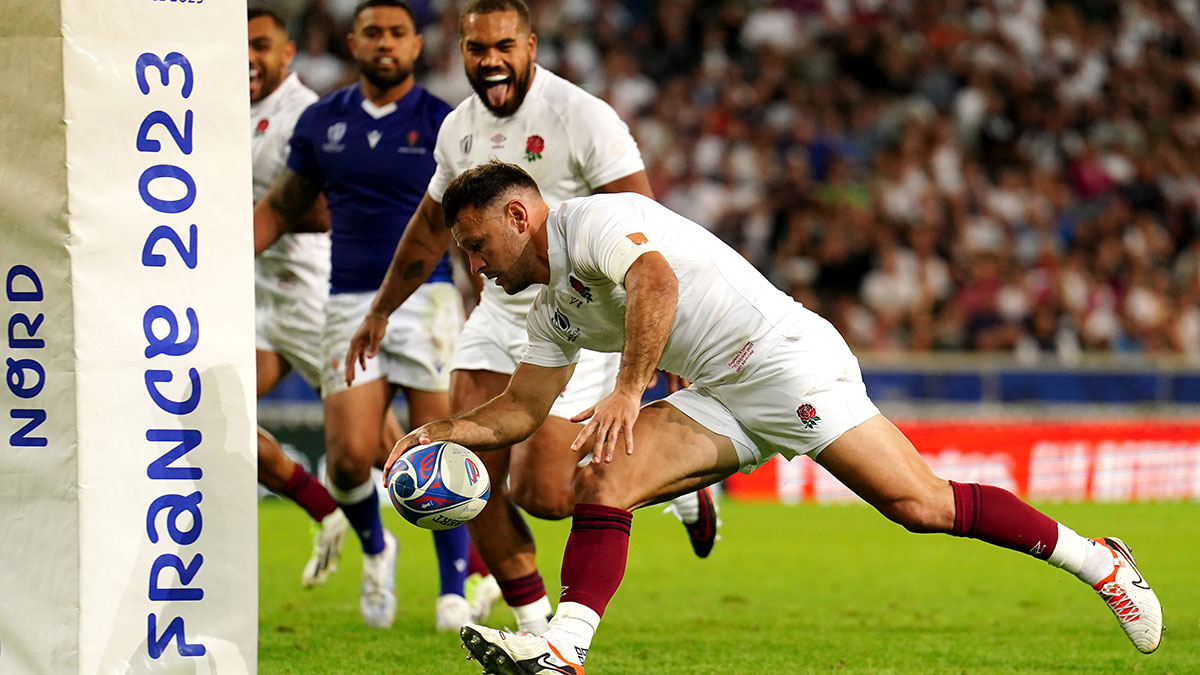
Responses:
[573,144]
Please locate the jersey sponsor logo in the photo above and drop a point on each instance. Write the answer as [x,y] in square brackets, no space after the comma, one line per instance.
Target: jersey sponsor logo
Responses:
[333,137]
[373,137]
[637,238]
[498,141]
[808,415]
[261,127]
[412,148]
[465,144]
[533,148]
[583,291]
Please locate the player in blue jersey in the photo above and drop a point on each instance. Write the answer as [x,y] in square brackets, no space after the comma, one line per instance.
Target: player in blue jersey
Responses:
[369,148]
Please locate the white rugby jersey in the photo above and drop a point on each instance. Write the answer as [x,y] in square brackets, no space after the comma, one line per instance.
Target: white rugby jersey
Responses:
[727,311]
[570,142]
[296,260]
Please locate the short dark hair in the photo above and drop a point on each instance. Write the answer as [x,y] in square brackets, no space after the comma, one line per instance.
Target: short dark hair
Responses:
[365,4]
[481,186]
[257,12]
[489,6]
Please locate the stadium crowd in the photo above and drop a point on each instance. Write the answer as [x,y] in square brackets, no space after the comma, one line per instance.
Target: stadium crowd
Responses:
[1007,176]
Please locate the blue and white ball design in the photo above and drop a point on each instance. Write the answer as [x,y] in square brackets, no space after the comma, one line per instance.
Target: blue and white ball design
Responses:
[438,486]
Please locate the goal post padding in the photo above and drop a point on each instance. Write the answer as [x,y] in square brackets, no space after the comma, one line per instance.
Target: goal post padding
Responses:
[127,475]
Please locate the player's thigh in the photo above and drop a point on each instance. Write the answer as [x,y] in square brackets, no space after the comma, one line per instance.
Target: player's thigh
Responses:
[426,406]
[542,469]
[353,424]
[672,455]
[877,462]
[269,368]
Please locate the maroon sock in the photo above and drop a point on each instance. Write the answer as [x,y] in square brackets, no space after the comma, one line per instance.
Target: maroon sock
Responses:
[594,561]
[523,590]
[999,517]
[306,491]
[475,564]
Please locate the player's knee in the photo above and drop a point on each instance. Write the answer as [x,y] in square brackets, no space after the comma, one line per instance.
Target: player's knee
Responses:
[919,515]
[347,471]
[540,500]
[596,485]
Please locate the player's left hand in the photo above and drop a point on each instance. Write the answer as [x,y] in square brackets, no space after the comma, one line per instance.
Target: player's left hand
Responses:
[612,417]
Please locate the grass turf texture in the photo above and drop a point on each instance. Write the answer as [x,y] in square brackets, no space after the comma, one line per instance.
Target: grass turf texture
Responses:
[788,589]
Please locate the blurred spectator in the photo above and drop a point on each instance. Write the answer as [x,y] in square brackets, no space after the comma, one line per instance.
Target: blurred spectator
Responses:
[996,175]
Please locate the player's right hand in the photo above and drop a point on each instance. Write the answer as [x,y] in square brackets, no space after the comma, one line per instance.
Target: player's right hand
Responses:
[365,343]
[418,436]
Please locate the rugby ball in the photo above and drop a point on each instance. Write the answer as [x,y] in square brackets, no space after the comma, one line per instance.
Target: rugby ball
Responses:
[439,485]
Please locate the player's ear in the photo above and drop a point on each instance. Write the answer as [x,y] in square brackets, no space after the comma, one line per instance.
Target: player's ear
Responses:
[289,53]
[519,214]
[418,42]
[532,46]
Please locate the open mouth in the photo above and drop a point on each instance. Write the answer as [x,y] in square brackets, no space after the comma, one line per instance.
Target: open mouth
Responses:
[255,75]
[386,62]
[497,86]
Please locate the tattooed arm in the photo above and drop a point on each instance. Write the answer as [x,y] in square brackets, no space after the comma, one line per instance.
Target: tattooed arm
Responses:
[291,201]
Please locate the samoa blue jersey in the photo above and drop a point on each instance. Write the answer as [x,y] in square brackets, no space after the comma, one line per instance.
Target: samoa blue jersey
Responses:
[374,164]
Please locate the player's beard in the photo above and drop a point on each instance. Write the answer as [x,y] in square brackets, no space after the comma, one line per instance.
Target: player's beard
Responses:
[384,82]
[268,82]
[520,86]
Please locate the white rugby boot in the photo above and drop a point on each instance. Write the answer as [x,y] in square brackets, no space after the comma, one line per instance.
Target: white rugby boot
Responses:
[482,593]
[452,612]
[504,653]
[377,599]
[327,548]
[1130,598]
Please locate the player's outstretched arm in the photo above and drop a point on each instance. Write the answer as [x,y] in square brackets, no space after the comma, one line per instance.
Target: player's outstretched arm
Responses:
[423,243]
[286,204]
[652,292]
[505,420]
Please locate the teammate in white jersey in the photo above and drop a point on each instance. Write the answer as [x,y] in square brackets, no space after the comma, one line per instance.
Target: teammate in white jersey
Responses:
[624,274]
[291,282]
[368,148]
[573,144]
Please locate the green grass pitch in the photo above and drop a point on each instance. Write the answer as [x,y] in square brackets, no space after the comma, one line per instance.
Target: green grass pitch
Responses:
[788,589]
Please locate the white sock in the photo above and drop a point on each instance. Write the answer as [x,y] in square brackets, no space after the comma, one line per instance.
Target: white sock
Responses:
[1084,558]
[352,496]
[531,618]
[686,508]
[574,625]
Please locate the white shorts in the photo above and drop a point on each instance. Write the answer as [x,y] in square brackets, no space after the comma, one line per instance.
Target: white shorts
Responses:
[416,350]
[494,340]
[805,393]
[290,324]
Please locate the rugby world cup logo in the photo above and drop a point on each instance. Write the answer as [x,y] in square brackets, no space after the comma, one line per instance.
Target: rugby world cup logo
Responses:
[333,137]
[472,471]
